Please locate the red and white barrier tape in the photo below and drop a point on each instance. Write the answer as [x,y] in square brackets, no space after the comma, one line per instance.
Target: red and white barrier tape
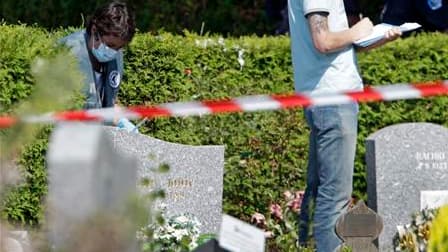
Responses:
[241,104]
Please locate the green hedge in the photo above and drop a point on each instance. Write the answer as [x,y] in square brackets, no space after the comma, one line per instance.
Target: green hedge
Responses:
[265,151]
[19,46]
[23,204]
[22,47]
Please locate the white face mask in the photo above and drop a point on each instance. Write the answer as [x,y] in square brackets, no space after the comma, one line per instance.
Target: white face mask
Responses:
[104,53]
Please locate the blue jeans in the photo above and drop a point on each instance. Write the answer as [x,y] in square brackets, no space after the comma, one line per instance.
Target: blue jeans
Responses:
[330,172]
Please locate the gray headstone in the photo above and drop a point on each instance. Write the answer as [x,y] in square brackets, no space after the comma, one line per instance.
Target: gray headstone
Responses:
[402,162]
[194,182]
[87,178]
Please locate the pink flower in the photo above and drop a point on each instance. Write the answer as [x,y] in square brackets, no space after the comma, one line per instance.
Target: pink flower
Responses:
[276,211]
[294,204]
[258,219]
[299,194]
[288,195]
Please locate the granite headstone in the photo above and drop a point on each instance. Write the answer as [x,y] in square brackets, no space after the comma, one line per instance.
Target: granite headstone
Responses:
[194,182]
[404,163]
[87,178]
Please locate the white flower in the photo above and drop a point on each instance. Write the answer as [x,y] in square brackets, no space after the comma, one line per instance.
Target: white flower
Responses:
[182,219]
[175,228]
[240,58]
[141,236]
[178,235]
[170,229]
[200,43]
[163,205]
[221,41]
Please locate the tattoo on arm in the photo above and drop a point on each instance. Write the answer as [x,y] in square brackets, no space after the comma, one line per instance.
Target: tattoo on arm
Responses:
[318,22]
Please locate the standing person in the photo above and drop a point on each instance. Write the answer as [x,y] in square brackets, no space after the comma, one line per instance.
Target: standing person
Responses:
[324,62]
[431,14]
[353,12]
[277,11]
[99,50]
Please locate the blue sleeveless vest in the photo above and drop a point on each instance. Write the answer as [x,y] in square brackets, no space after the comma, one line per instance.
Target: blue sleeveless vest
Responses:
[98,95]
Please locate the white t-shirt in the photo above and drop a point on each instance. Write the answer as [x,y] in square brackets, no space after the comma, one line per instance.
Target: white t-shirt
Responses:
[314,72]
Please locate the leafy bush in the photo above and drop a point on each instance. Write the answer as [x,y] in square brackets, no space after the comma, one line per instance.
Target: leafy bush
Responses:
[415,59]
[19,47]
[31,67]
[268,145]
[253,148]
[23,204]
[266,152]
[281,226]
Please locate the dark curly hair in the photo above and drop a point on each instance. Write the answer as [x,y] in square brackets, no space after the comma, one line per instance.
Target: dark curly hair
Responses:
[115,19]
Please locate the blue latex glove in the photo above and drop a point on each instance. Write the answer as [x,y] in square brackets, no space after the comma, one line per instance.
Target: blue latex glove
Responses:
[127,125]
